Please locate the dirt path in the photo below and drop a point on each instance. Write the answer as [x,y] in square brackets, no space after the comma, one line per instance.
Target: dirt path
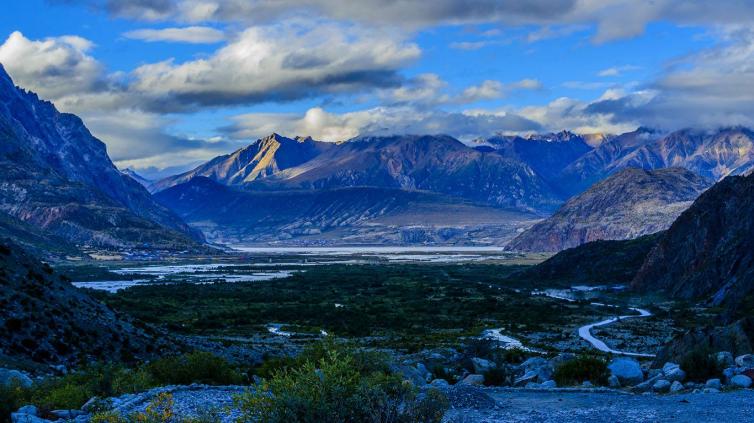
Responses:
[612,407]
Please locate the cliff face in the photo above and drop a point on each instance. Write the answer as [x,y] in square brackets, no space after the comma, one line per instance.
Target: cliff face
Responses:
[708,252]
[55,175]
[628,204]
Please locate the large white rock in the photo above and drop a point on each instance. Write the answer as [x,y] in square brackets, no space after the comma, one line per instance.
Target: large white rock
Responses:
[477,380]
[741,381]
[661,385]
[673,372]
[481,365]
[9,376]
[676,387]
[627,370]
[713,384]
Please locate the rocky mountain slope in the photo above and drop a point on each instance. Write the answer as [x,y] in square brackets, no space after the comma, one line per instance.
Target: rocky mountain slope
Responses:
[45,319]
[56,176]
[628,204]
[708,252]
[358,215]
[439,164]
[136,177]
[265,157]
[712,154]
[546,154]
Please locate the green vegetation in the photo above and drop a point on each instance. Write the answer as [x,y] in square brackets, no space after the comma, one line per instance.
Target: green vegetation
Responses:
[410,307]
[580,370]
[333,384]
[700,365]
[104,380]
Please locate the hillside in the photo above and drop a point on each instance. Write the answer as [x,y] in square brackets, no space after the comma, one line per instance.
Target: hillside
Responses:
[708,252]
[56,176]
[628,204]
[45,319]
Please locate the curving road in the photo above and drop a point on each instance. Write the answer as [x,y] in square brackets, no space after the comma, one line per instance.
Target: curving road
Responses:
[585,332]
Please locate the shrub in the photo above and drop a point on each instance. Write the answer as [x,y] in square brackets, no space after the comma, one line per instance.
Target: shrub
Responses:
[342,386]
[196,367]
[700,365]
[496,376]
[12,397]
[581,369]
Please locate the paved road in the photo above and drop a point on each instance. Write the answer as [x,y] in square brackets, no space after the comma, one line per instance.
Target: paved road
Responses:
[609,407]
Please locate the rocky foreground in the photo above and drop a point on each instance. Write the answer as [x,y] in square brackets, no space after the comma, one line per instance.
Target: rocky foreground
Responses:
[634,395]
[469,404]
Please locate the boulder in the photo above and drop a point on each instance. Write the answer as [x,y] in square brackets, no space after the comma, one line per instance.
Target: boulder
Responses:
[613,382]
[529,376]
[627,370]
[746,361]
[676,387]
[533,385]
[9,377]
[28,409]
[481,365]
[741,381]
[543,368]
[550,384]
[725,359]
[439,383]
[473,379]
[661,385]
[713,384]
[673,372]
[26,418]
[587,384]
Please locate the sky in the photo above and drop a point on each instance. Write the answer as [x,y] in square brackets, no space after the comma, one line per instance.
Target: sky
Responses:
[167,84]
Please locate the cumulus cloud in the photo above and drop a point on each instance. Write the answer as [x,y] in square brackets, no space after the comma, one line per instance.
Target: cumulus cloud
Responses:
[489,90]
[706,89]
[279,63]
[614,19]
[191,34]
[323,125]
[54,67]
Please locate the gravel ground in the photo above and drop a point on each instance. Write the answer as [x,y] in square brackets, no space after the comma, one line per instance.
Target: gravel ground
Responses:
[487,405]
[608,407]
[188,401]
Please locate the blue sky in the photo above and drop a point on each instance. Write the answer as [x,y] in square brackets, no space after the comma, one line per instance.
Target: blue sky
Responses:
[168,83]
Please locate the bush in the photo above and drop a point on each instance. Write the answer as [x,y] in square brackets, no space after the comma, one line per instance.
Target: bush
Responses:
[580,370]
[11,398]
[196,367]
[496,376]
[342,386]
[700,365]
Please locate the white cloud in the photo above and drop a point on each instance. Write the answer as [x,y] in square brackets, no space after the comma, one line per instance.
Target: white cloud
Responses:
[191,34]
[616,70]
[282,62]
[490,90]
[54,67]
[614,19]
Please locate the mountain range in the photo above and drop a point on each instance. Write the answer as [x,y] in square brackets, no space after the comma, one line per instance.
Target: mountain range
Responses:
[56,176]
[525,177]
